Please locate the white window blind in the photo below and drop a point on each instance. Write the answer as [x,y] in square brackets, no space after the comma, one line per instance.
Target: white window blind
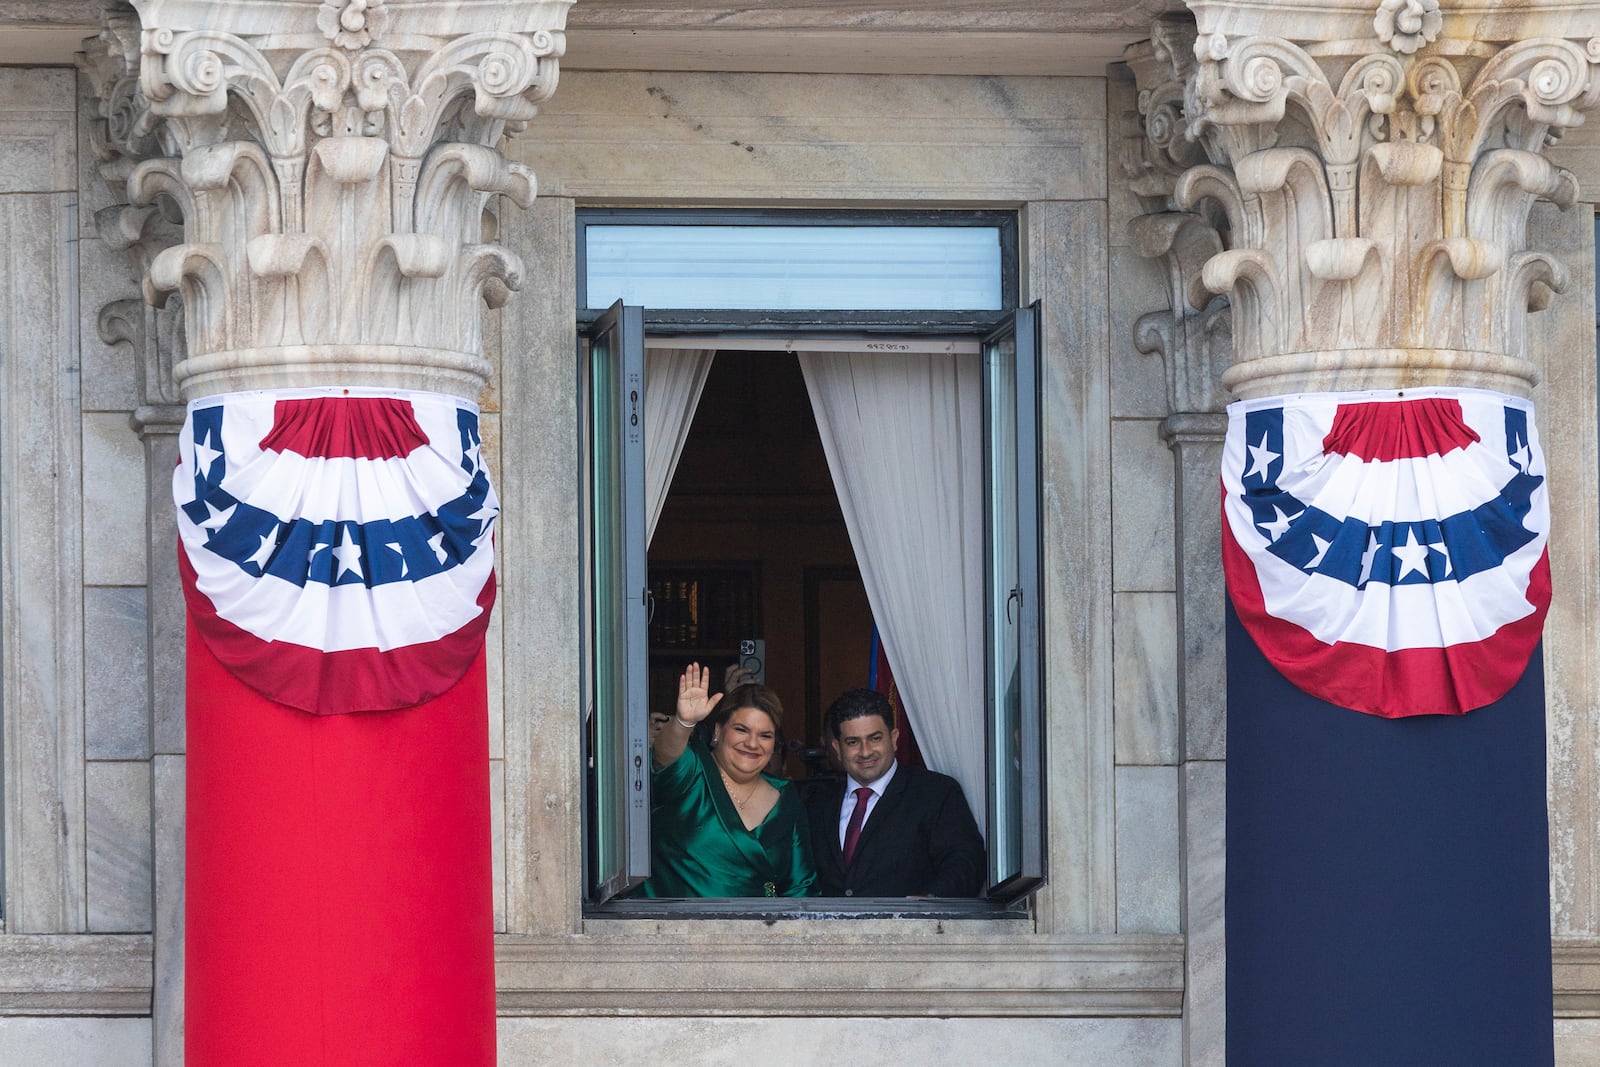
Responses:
[794,268]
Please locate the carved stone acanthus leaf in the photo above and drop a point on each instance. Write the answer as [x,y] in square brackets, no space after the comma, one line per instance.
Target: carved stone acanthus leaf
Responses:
[331,167]
[1158,148]
[1193,334]
[1376,203]
[1194,337]
[153,336]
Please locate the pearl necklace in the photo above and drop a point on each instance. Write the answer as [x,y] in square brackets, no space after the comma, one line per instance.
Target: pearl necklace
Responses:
[727,784]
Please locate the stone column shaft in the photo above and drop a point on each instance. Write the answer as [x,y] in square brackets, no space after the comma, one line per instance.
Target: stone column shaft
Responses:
[316,184]
[1354,180]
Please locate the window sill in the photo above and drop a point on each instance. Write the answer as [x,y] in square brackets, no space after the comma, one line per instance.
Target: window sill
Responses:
[773,909]
[1577,977]
[864,967]
[75,974]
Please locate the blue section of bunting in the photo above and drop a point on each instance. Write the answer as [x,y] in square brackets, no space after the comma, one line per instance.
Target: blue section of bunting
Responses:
[336,552]
[207,426]
[471,441]
[1452,548]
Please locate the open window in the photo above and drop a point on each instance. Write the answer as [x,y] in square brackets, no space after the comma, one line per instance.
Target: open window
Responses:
[617,826]
[1014,736]
[757,540]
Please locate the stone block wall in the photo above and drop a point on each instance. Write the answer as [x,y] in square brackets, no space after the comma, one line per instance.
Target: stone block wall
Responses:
[1122,961]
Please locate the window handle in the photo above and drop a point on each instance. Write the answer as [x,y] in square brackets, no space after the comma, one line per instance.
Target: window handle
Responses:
[649,602]
[1014,598]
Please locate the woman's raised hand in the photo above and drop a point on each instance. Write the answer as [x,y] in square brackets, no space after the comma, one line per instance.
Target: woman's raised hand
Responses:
[694,685]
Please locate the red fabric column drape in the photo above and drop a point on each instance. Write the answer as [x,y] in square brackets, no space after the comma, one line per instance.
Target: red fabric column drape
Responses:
[339,904]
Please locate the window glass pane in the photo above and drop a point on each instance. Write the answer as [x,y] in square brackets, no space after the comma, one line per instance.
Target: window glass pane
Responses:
[1015,735]
[619,798]
[1004,611]
[789,268]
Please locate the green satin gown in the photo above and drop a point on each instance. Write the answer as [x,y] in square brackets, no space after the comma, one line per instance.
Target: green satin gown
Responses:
[699,846]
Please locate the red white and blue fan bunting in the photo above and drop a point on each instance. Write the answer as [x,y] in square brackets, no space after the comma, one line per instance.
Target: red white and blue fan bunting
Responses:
[337,547]
[1386,551]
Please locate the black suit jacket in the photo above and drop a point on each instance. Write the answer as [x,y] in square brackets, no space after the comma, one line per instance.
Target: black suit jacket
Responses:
[919,840]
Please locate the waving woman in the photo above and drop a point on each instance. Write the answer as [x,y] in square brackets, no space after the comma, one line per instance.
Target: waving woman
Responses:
[719,826]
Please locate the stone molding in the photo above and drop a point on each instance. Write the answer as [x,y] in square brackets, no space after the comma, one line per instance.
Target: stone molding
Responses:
[75,974]
[1197,427]
[331,168]
[618,972]
[1577,977]
[1370,177]
[110,974]
[148,420]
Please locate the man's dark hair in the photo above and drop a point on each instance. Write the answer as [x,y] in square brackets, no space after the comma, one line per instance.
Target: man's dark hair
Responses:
[858,704]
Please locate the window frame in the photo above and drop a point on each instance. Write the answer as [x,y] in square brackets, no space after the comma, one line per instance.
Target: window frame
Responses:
[1020,873]
[625,801]
[978,326]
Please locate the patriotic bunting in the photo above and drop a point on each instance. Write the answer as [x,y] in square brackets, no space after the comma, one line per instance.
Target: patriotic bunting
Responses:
[337,547]
[1386,551]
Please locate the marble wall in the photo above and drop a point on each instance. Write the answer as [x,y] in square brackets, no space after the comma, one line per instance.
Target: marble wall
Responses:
[75,711]
[1560,343]
[1102,972]
[75,1042]
[662,138]
[40,468]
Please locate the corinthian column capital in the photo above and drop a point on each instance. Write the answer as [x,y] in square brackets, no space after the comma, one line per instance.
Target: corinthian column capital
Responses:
[1370,166]
[329,165]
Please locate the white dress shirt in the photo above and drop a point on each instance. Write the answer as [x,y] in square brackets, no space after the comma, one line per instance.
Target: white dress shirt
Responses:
[849,806]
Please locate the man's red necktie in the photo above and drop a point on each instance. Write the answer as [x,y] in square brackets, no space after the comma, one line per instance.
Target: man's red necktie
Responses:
[852,833]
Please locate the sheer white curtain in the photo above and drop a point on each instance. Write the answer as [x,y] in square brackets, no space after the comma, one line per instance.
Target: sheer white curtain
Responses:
[673,379]
[904,440]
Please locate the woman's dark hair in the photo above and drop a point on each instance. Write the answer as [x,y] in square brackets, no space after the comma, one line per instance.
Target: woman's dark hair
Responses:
[749,695]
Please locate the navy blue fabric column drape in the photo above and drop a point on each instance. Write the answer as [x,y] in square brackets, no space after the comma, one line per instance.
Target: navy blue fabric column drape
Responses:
[1387,880]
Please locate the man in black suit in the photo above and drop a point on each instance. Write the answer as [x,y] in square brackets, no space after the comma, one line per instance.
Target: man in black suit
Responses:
[889,830]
